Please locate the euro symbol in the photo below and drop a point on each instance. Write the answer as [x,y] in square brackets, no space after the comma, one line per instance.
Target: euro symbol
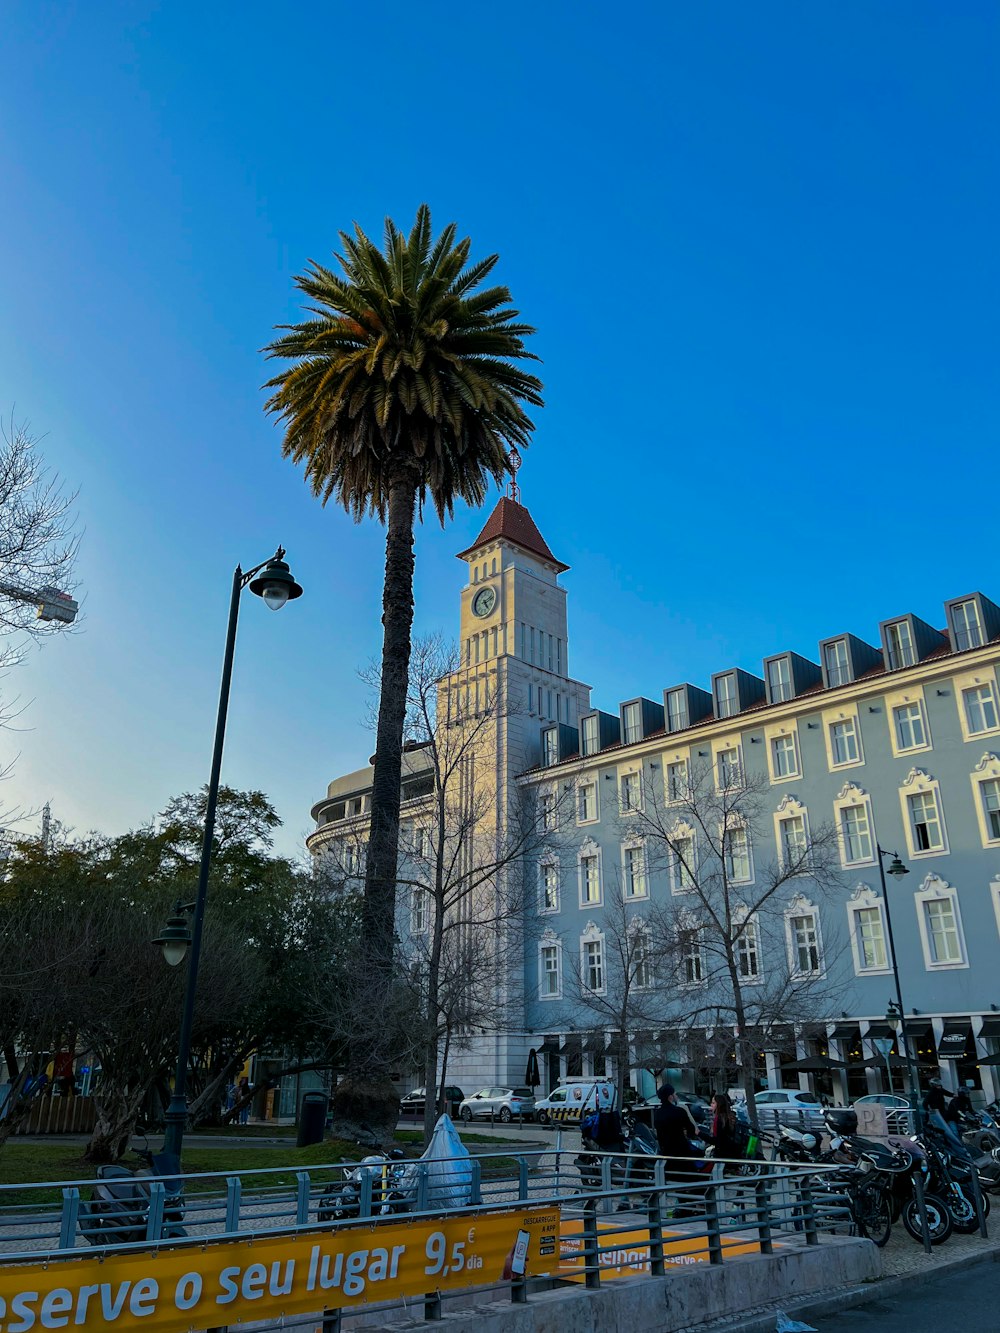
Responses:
[472,1235]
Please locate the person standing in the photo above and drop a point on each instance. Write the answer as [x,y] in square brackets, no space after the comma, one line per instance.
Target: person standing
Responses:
[723,1133]
[243,1098]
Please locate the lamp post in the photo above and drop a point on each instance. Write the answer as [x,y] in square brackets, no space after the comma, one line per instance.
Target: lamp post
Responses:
[898,870]
[271,580]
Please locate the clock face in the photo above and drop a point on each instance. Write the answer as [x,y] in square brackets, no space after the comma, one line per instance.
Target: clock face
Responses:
[484,601]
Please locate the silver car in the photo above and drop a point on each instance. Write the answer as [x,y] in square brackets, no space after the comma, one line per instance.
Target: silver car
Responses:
[499,1103]
[789,1106]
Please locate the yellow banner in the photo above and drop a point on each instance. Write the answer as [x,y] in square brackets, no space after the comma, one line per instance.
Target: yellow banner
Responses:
[627,1254]
[208,1285]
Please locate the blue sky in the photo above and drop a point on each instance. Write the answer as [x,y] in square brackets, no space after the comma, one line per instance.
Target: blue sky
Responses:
[759,246]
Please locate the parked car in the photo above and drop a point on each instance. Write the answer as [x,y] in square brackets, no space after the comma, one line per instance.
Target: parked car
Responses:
[789,1106]
[898,1117]
[413,1102]
[503,1103]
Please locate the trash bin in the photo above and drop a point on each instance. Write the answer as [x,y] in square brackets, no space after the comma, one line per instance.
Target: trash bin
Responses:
[312,1119]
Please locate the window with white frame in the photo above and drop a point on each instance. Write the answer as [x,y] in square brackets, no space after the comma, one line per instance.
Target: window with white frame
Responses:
[421,841]
[728,768]
[844,747]
[838,671]
[736,854]
[643,977]
[592,962]
[967,625]
[590,877]
[793,842]
[590,734]
[802,926]
[418,910]
[682,867]
[909,727]
[784,756]
[549,970]
[634,871]
[986,798]
[779,680]
[748,949]
[899,642]
[725,695]
[979,707]
[677,781]
[631,792]
[940,924]
[549,886]
[924,822]
[851,810]
[586,803]
[547,811]
[692,951]
[867,931]
[632,718]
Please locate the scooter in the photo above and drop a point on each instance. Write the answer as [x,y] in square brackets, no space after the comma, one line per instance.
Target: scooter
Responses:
[393,1190]
[117,1212]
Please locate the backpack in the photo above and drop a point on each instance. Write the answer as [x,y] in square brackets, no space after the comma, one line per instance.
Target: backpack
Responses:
[590,1124]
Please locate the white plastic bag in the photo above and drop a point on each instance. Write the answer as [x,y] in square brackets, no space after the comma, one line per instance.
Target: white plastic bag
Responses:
[786,1325]
[448,1167]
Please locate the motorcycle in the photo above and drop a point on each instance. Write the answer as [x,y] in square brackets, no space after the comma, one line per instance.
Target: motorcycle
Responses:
[951,1180]
[392,1190]
[117,1212]
[634,1160]
[900,1162]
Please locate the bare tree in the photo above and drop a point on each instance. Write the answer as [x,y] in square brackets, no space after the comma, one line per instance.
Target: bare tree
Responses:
[461,865]
[738,936]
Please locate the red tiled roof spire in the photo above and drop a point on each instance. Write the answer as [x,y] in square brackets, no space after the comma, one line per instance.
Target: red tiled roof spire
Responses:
[511,522]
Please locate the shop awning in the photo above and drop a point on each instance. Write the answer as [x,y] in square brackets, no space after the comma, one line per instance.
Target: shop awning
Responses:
[550,1046]
[813,1064]
[955,1040]
[991,1026]
[880,1030]
[846,1031]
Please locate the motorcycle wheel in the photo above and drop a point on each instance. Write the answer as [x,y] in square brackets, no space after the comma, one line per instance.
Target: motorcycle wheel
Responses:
[963,1213]
[939,1223]
[751,1169]
[875,1219]
[395,1202]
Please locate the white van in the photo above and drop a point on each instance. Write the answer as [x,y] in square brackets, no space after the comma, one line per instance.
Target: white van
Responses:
[570,1100]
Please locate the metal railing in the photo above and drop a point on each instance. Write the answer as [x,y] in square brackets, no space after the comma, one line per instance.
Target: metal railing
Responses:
[683,1213]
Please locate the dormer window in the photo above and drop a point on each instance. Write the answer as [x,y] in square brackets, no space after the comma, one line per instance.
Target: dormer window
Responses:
[725,695]
[966,625]
[899,645]
[838,670]
[779,680]
[550,746]
[677,710]
[632,723]
[589,734]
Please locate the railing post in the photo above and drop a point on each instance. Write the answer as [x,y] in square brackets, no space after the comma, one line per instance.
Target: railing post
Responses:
[925,1230]
[808,1210]
[605,1183]
[331,1321]
[365,1200]
[591,1257]
[301,1198]
[712,1222]
[977,1195]
[154,1218]
[70,1218]
[522,1179]
[421,1200]
[763,1202]
[654,1212]
[476,1181]
[234,1193]
[432,1305]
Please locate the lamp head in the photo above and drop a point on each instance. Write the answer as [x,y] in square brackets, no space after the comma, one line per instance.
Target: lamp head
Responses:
[175,937]
[275,583]
[896,867]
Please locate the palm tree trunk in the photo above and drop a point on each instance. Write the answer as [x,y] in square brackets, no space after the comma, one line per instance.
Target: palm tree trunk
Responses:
[365,1094]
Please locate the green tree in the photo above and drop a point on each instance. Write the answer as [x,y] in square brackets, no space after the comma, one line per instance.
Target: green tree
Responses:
[403,387]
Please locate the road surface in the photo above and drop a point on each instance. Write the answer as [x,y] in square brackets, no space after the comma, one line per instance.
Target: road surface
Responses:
[968,1300]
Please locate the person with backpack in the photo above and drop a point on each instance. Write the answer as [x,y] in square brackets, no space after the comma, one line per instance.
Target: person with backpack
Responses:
[728,1137]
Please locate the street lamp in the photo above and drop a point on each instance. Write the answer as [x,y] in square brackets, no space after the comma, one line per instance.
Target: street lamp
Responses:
[271,580]
[897,870]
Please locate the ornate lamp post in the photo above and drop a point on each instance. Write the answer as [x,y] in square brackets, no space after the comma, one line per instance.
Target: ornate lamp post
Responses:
[271,580]
[895,1008]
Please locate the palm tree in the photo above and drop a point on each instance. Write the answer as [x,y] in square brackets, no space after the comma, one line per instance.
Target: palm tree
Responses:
[404,386]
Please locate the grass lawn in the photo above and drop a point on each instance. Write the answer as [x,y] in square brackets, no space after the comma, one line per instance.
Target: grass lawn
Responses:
[35,1163]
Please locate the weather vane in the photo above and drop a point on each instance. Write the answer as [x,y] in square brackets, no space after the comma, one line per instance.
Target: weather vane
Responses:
[513,463]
